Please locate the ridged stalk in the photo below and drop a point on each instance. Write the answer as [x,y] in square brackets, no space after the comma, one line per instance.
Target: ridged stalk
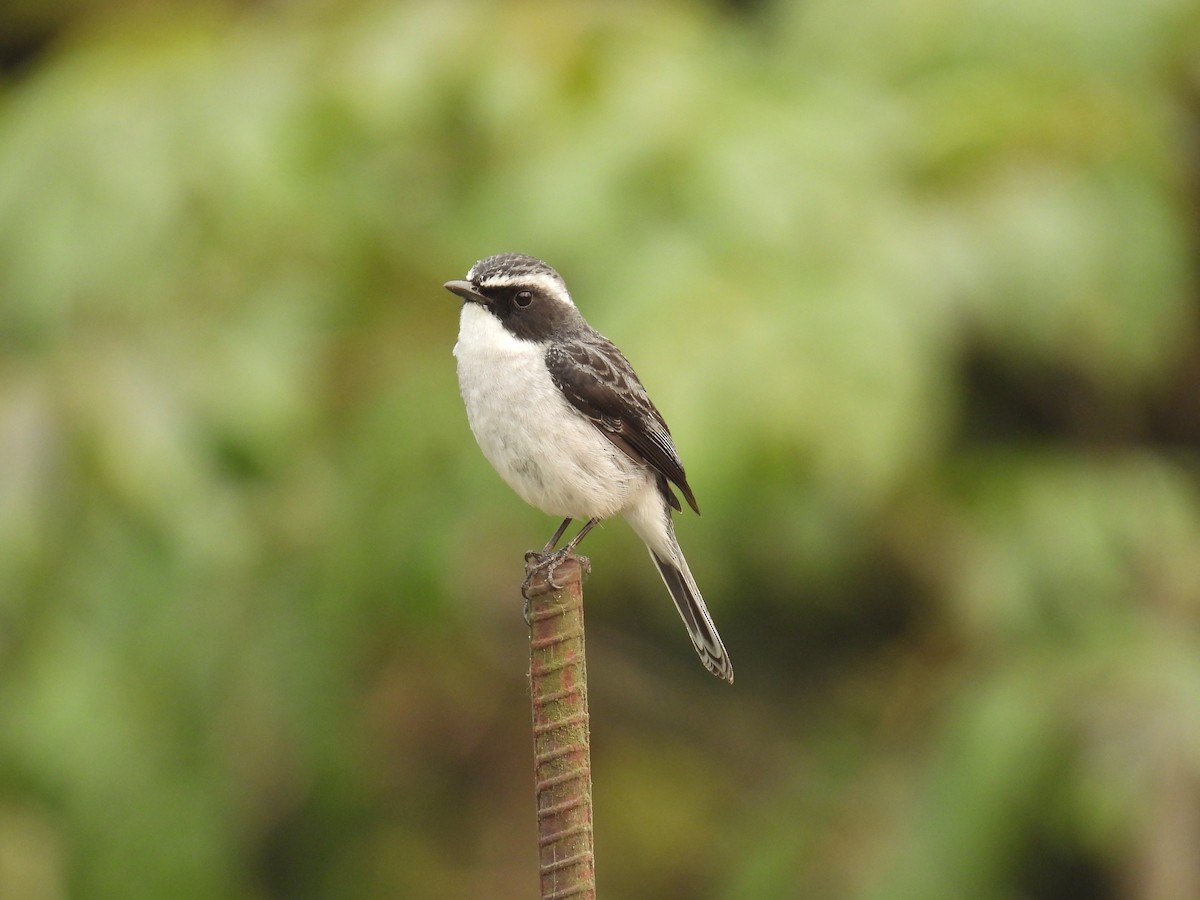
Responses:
[561,743]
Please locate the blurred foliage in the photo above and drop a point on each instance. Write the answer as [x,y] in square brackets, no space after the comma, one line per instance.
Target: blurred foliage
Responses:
[915,285]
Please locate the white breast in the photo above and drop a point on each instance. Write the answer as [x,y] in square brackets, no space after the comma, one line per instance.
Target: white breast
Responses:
[551,455]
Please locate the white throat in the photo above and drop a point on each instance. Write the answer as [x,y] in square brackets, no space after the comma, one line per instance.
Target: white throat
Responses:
[480,335]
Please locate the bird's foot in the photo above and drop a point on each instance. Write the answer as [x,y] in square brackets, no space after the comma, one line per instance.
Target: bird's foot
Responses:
[539,563]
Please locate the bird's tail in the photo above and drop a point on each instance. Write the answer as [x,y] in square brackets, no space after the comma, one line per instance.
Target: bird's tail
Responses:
[678,578]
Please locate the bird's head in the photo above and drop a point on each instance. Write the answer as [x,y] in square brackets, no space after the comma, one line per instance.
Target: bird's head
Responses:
[527,296]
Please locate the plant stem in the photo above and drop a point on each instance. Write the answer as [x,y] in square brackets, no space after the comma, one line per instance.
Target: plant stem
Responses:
[561,743]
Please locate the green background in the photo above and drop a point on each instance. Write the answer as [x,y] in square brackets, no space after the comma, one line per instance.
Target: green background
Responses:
[915,284]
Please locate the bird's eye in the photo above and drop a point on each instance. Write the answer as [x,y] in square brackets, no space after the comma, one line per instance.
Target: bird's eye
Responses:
[524,298]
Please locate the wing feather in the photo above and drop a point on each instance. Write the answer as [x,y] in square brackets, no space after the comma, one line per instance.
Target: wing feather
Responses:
[598,381]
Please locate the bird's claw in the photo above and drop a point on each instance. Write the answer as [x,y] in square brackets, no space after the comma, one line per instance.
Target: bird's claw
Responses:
[540,561]
[546,564]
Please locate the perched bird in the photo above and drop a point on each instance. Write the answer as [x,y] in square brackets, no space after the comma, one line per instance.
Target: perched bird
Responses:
[561,415]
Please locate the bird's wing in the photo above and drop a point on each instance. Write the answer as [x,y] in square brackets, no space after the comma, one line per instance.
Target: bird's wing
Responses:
[599,382]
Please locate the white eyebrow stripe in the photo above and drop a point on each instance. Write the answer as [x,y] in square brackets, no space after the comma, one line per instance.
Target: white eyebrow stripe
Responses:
[548,284]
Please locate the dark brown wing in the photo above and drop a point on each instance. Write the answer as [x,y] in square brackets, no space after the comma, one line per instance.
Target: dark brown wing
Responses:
[599,382]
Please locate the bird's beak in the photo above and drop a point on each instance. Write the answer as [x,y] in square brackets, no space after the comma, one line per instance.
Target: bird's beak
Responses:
[467,291]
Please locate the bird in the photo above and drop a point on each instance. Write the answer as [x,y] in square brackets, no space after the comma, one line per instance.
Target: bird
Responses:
[563,418]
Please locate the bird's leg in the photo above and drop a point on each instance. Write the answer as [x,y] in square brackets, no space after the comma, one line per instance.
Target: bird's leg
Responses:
[541,559]
[557,537]
[574,542]
[550,560]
